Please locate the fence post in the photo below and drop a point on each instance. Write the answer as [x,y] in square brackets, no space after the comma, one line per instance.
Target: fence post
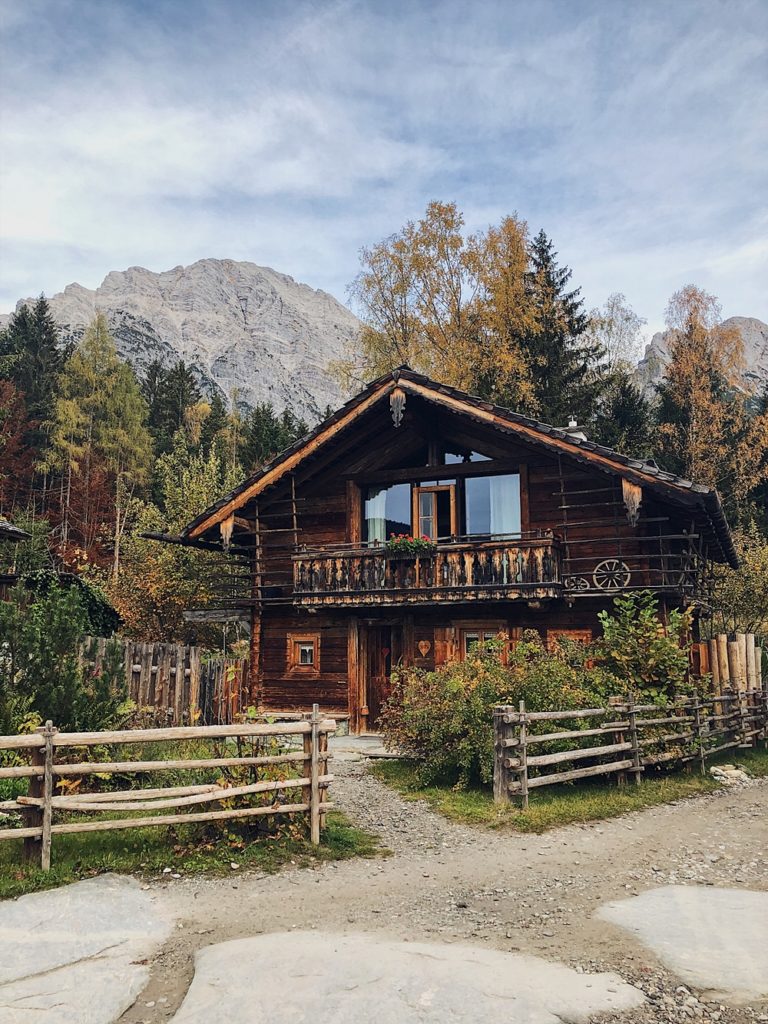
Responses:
[503,740]
[633,739]
[314,776]
[522,771]
[323,771]
[617,704]
[45,844]
[33,815]
[698,732]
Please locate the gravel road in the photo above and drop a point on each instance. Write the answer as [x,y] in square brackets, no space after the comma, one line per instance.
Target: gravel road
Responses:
[449,883]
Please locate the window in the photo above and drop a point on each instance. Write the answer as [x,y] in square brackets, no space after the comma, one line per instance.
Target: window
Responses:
[387,512]
[470,635]
[492,505]
[304,653]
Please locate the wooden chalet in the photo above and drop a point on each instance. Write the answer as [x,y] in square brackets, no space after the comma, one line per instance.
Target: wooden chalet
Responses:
[533,527]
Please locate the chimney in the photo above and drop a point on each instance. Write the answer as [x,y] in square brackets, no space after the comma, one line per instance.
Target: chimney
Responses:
[575,430]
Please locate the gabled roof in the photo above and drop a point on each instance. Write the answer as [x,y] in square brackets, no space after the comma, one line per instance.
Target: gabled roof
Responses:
[543,435]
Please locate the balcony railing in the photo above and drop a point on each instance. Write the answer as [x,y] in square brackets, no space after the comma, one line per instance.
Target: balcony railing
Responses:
[461,570]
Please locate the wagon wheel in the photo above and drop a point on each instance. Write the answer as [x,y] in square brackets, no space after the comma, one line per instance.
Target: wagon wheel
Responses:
[576,583]
[611,574]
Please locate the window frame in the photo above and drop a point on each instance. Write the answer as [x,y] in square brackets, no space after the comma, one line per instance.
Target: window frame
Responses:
[295,641]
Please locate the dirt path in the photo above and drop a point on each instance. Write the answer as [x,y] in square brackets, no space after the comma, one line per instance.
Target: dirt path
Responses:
[444,882]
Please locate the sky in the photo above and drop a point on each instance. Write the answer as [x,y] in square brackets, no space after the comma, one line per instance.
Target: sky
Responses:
[159,132]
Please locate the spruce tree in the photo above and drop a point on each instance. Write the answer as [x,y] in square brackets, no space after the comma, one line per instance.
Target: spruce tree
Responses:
[31,357]
[624,420]
[565,363]
[215,422]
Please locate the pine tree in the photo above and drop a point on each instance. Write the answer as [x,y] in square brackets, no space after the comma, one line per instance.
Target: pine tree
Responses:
[624,420]
[215,422]
[565,363]
[31,357]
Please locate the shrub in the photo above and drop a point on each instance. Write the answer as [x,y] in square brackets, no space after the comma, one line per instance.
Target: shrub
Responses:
[40,667]
[445,717]
[647,659]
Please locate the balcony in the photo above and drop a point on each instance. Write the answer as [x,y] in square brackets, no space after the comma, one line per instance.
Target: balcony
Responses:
[459,571]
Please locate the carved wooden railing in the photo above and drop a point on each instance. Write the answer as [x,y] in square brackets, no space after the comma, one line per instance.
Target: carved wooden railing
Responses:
[457,571]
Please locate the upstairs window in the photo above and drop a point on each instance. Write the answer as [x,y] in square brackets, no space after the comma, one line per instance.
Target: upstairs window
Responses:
[492,505]
[387,512]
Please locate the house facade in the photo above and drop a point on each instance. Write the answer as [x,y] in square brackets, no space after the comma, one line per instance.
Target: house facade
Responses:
[528,527]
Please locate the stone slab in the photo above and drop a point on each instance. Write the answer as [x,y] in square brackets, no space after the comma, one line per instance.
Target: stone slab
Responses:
[713,939]
[315,978]
[71,954]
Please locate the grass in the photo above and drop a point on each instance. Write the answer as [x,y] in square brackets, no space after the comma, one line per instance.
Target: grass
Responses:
[553,806]
[187,850]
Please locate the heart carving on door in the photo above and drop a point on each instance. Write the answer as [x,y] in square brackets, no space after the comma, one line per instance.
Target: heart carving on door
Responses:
[424,647]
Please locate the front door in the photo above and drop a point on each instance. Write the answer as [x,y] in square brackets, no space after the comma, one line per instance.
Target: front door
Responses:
[378,668]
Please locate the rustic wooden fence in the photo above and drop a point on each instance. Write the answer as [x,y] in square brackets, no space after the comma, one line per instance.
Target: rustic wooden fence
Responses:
[43,770]
[622,739]
[178,682]
[733,662]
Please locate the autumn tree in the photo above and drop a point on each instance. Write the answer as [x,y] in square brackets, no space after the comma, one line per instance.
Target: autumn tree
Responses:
[446,304]
[616,330]
[99,437]
[706,428]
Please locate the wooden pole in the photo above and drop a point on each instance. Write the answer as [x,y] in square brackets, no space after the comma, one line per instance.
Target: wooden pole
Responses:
[47,815]
[314,805]
[502,732]
[722,661]
[714,665]
[751,674]
[633,739]
[734,665]
[523,770]
[741,642]
[33,818]
[698,733]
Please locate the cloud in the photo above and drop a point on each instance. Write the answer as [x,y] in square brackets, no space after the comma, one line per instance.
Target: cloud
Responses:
[158,133]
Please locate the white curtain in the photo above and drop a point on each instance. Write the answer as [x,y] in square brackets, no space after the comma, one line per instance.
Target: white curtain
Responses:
[505,504]
[376,515]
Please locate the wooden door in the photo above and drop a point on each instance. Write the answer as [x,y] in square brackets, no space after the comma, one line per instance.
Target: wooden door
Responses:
[379,667]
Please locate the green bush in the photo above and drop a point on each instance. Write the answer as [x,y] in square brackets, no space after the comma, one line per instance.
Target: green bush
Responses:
[445,717]
[649,661]
[40,667]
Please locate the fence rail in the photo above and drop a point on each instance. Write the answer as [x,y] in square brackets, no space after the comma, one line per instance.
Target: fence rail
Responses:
[38,806]
[635,737]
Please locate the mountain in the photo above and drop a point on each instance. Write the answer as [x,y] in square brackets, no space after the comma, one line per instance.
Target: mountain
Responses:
[754,335]
[238,325]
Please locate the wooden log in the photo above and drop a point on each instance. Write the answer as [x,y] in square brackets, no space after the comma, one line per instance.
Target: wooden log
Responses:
[20,771]
[735,664]
[179,819]
[649,722]
[22,742]
[750,665]
[741,640]
[579,773]
[314,808]
[127,795]
[191,732]
[714,666]
[577,755]
[545,716]
[503,738]
[95,767]
[47,787]
[722,661]
[21,833]
[220,793]
[551,737]
[522,775]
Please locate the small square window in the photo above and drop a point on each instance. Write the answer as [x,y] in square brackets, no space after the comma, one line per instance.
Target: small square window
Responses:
[473,638]
[306,652]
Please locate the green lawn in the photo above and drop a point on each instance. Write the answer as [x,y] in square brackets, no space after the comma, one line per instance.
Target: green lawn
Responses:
[560,805]
[187,850]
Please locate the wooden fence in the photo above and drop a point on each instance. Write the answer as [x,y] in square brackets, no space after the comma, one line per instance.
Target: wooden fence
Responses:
[622,739]
[734,662]
[44,771]
[178,682]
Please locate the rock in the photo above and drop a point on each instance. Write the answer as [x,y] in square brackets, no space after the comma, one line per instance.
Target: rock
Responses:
[407,983]
[62,951]
[238,325]
[715,940]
